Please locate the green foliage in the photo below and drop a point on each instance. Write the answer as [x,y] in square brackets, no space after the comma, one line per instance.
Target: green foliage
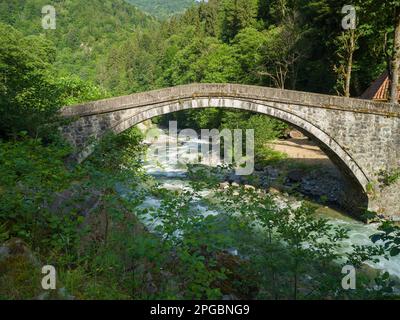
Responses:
[275,43]
[74,90]
[203,59]
[237,15]
[4,235]
[163,9]
[27,99]
[295,253]
[389,234]
[43,201]
[196,240]
[389,178]
[26,183]
[248,45]
[30,92]
[85,31]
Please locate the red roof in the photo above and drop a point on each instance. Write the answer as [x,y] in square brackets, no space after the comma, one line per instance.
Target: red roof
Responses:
[379,89]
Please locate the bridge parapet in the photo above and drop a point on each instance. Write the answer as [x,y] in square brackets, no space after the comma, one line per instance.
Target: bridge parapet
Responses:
[231,91]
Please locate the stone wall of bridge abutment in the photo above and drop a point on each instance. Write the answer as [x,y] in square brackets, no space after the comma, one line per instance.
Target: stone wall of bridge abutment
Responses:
[361,137]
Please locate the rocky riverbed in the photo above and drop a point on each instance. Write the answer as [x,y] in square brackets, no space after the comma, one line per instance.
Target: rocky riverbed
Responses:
[307,171]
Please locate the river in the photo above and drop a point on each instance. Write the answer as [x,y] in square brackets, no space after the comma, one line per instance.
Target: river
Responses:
[173,176]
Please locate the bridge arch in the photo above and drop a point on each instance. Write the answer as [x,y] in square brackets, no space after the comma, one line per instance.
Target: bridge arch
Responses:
[330,146]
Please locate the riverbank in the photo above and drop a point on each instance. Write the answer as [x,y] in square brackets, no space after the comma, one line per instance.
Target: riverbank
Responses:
[306,172]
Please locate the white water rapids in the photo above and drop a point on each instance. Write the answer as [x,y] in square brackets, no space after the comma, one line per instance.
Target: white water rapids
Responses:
[172,176]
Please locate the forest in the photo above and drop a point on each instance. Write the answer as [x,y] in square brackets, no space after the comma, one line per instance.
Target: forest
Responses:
[74,216]
[163,9]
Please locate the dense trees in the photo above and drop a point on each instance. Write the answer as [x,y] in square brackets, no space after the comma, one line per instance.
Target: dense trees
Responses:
[86,30]
[294,44]
[380,25]
[30,90]
[26,98]
[395,68]
[161,8]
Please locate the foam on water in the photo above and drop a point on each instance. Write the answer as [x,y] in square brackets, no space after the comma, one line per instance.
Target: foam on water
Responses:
[171,176]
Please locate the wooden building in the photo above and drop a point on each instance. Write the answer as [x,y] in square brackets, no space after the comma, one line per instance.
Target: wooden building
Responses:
[379,89]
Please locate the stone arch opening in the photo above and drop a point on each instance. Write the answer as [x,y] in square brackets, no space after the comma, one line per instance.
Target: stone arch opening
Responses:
[355,178]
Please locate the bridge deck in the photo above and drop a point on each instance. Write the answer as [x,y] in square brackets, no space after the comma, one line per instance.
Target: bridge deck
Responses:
[244,92]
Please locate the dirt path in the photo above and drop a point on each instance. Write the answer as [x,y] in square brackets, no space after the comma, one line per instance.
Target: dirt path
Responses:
[302,150]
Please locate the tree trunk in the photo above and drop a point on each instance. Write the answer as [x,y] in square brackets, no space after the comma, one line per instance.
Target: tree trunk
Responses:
[394,83]
[352,48]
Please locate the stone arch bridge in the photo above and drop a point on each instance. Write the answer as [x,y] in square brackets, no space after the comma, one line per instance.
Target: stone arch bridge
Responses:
[361,137]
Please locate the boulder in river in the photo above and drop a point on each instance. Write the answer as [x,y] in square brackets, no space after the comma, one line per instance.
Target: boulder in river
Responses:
[296,175]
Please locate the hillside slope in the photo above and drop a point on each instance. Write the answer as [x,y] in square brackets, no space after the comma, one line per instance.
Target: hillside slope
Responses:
[85,30]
